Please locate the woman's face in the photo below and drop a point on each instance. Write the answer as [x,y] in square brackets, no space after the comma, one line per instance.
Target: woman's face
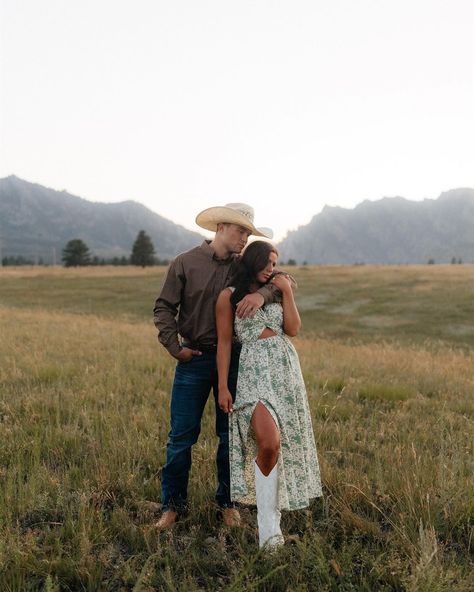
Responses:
[263,276]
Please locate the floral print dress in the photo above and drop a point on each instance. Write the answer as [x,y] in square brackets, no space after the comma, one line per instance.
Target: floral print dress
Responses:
[269,372]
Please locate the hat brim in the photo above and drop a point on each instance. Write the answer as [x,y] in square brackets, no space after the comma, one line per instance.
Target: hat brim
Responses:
[211,217]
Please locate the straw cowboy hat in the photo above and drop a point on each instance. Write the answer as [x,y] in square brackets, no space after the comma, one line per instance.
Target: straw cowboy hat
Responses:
[232,213]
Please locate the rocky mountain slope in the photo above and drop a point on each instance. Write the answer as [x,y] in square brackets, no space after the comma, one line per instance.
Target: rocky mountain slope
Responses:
[37,222]
[388,231]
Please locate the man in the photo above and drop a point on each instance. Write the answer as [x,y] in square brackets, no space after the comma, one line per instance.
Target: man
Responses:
[184,314]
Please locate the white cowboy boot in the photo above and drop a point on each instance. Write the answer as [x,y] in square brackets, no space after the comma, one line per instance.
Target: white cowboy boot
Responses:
[268,514]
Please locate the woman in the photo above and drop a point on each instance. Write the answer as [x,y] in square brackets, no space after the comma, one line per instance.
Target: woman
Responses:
[273,459]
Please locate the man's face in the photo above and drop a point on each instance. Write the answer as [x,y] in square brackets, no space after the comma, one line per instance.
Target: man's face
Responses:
[234,237]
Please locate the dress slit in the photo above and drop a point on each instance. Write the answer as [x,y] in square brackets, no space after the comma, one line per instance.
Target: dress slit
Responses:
[269,407]
[244,466]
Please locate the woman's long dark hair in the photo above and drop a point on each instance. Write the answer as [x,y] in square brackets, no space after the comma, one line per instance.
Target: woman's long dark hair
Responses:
[253,260]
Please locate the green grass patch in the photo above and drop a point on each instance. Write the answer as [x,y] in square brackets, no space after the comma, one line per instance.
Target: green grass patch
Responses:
[385,393]
[412,304]
[335,385]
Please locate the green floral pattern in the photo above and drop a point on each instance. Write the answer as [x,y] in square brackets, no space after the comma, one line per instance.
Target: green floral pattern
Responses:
[270,372]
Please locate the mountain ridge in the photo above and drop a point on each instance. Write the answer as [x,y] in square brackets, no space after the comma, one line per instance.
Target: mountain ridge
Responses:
[36,220]
[392,230]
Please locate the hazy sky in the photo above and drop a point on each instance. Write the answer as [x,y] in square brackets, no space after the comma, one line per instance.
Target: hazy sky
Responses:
[286,105]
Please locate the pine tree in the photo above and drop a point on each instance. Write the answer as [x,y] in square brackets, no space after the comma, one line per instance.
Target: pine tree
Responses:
[76,253]
[143,250]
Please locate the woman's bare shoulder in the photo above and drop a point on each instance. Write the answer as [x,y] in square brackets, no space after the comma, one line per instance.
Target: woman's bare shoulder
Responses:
[225,295]
[227,292]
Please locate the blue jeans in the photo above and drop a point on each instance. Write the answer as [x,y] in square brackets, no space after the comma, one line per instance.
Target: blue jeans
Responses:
[191,387]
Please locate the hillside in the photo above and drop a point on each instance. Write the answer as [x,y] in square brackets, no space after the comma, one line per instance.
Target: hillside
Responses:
[388,231]
[36,222]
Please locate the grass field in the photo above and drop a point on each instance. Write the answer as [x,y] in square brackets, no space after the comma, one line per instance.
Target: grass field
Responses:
[387,355]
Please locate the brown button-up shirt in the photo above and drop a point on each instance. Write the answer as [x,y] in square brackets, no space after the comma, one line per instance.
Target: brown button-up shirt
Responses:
[186,305]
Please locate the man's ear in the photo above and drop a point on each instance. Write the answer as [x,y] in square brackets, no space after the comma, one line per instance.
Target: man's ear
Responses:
[220,226]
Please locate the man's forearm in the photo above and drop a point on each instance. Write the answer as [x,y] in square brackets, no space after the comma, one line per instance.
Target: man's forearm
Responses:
[167,305]
[173,347]
[165,321]
[270,293]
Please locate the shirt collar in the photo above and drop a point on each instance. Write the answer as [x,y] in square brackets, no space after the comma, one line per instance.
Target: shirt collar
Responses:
[206,248]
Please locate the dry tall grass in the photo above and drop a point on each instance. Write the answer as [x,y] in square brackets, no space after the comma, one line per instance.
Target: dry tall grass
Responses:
[83,426]
[84,391]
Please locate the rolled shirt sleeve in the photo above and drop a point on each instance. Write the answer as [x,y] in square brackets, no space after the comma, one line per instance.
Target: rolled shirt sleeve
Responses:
[167,307]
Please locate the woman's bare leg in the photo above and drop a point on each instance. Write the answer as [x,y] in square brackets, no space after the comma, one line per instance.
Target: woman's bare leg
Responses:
[267,437]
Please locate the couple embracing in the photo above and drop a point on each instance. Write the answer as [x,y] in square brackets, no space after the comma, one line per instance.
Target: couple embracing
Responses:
[226,318]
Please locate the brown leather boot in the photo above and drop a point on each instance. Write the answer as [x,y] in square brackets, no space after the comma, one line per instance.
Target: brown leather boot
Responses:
[167,520]
[230,517]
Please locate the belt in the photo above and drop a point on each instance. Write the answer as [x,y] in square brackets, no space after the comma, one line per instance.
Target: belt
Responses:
[207,348]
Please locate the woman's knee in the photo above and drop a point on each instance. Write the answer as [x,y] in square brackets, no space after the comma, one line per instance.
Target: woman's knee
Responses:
[269,448]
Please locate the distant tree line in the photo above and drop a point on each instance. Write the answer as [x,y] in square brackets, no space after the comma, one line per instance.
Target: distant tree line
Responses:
[19,260]
[77,254]
[292,262]
[454,261]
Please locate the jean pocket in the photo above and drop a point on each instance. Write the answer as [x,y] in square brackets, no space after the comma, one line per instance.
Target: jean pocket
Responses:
[180,363]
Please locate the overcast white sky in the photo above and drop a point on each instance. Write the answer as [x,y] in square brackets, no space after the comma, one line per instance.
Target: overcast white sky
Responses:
[286,105]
